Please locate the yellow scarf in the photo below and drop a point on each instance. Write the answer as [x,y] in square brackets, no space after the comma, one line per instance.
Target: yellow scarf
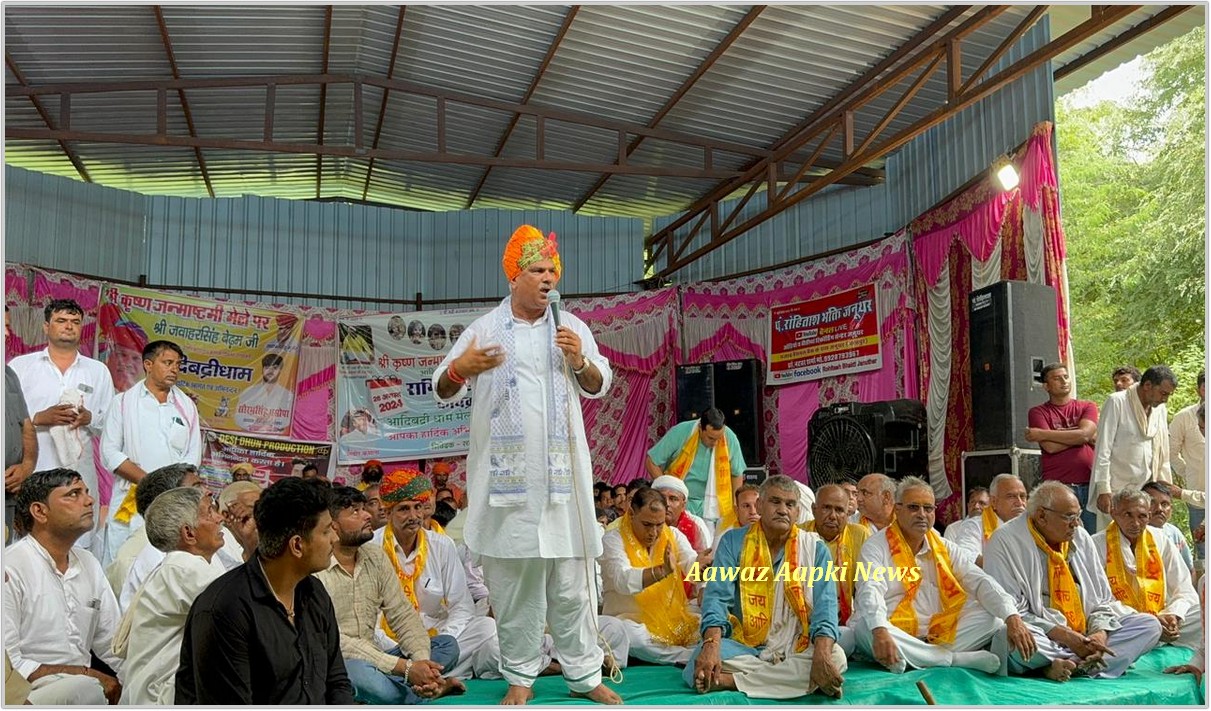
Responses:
[680,468]
[127,509]
[1144,591]
[845,549]
[663,605]
[406,581]
[757,596]
[991,521]
[944,624]
[1065,595]
[436,527]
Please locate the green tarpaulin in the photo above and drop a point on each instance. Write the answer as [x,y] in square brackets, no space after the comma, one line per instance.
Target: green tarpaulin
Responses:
[867,685]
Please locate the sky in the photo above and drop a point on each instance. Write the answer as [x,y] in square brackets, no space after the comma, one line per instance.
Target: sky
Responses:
[1116,85]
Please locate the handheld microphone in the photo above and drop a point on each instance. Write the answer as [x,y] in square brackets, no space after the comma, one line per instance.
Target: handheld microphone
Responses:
[553,299]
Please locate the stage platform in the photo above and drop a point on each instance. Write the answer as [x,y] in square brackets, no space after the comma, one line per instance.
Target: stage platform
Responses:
[867,685]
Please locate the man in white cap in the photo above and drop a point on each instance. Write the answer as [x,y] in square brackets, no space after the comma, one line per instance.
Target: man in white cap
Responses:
[675,496]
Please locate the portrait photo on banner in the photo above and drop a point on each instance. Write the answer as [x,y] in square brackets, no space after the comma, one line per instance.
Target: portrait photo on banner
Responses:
[240,363]
[385,407]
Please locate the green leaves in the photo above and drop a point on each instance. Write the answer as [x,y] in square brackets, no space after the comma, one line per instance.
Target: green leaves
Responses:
[1132,181]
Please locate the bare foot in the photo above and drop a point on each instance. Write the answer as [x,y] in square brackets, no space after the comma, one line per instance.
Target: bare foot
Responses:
[517,696]
[601,694]
[451,686]
[1060,670]
[726,682]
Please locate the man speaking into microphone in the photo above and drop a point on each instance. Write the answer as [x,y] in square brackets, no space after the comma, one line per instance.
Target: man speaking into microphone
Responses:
[530,515]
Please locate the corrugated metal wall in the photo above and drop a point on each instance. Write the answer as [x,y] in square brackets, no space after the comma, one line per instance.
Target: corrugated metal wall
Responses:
[837,217]
[932,166]
[71,225]
[353,250]
[918,176]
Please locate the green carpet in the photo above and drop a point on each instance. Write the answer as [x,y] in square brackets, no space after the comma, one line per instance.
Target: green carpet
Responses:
[867,685]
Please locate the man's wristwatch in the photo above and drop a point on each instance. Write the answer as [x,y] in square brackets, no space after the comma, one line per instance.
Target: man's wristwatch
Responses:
[583,367]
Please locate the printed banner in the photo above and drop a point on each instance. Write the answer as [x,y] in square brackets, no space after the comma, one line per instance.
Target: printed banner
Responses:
[240,362]
[271,459]
[828,336]
[385,402]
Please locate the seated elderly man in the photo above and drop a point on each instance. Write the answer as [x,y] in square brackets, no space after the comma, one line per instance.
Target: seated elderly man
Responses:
[236,502]
[1007,502]
[844,541]
[692,527]
[1144,571]
[642,567]
[58,608]
[169,477]
[977,501]
[431,574]
[185,525]
[770,635]
[943,608]
[876,501]
[363,587]
[1047,562]
[161,480]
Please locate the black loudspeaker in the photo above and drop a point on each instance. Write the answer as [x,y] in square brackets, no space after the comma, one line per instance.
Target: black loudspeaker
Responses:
[853,439]
[738,394]
[733,386]
[1013,335]
[695,390]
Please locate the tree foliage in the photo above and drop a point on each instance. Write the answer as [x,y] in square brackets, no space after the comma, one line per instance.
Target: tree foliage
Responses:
[1133,200]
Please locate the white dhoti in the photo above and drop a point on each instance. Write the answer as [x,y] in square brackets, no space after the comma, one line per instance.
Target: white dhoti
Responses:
[846,639]
[788,680]
[643,647]
[529,594]
[67,690]
[976,628]
[486,663]
[476,646]
[1134,639]
[1190,634]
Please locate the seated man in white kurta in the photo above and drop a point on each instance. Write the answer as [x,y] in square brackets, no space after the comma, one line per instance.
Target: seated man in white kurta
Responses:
[431,574]
[185,526]
[932,606]
[1007,502]
[1047,562]
[771,636]
[642,567]
[844,541]
[1144,571]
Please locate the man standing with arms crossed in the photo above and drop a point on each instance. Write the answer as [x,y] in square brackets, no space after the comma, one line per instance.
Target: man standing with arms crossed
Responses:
[528,471]
[1065,429]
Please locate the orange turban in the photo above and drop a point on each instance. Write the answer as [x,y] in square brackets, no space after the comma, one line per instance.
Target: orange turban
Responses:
[405,485]
[527,246]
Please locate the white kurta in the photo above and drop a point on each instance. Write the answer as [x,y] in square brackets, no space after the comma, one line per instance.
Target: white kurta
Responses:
[145,563]
[157,625]
[538,529]
[1180,598]
[969,534]
[445,601]
[1013,559]
[1187,450]
[52,617]
[986,609]
[1123,455]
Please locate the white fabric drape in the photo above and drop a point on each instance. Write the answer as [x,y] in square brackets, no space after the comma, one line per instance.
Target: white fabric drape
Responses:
[986,273]
[1032,238]
[701,328]
[940,347]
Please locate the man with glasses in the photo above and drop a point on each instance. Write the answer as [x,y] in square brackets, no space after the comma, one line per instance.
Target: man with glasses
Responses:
[923,602]
[1078,630]
[1008,501]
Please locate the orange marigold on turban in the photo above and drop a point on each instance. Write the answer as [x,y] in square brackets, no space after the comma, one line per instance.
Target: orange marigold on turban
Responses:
[527,246]
[405,485]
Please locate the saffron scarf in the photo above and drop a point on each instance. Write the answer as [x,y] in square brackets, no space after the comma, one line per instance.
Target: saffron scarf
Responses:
[663,605]
[944,624]
[991,521]
[1144,591]
[845,549]
[680,468]
[406,581]
[1065,595]
[506,439]
[757,596]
